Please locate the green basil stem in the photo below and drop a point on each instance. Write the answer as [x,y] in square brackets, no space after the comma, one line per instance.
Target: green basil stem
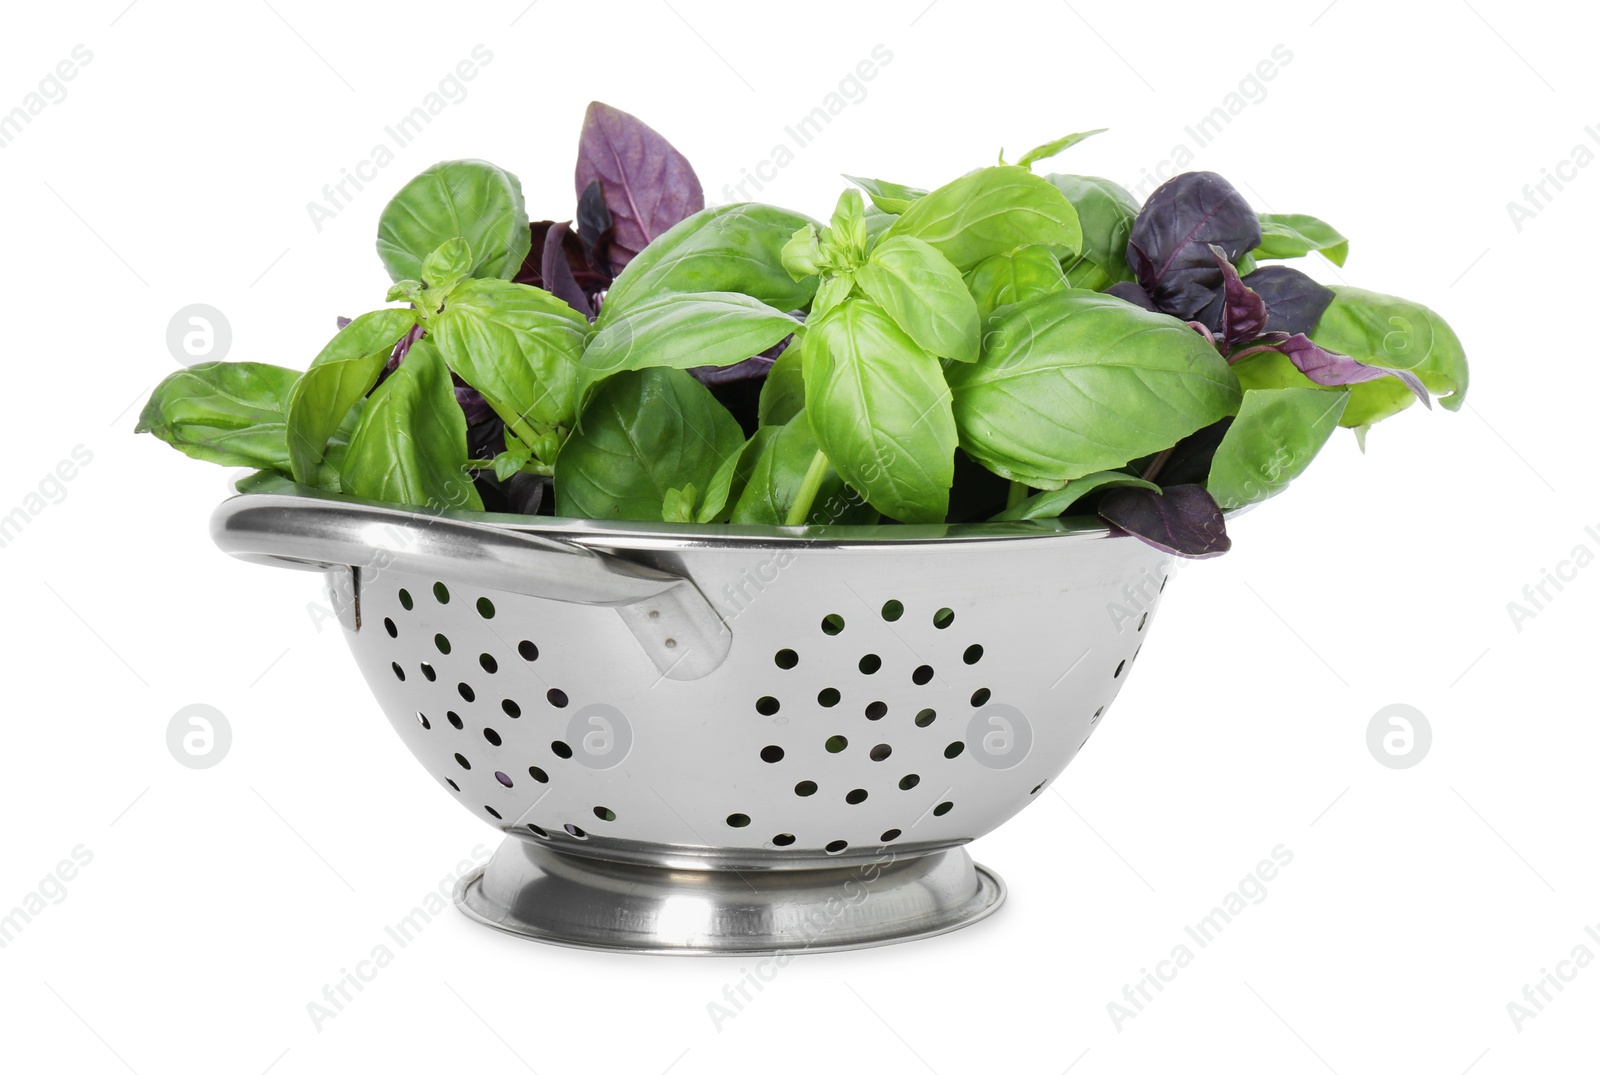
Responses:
[1016,494]
[808,490]
[1157,463]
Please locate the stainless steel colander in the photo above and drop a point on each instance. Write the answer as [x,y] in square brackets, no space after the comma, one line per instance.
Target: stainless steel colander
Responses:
[725,739]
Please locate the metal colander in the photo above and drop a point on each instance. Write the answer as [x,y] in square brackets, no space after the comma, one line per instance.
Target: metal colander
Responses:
[699,738]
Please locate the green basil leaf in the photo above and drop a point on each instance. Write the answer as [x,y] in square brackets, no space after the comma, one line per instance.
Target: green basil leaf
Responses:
[446,267]
[519,346]
[1274,438]
[880,410]
[1294,235]
[878,222]
[1106,212]
[230,413]
[469,199]
[1050,149]
[1396,334]
[735,247]
[642,433]
[1076,382]
[1023,274]
[1369,401]
[833,290]
[410,446]
[716,328]
[678,505]
[924,294]
[1053,502]
[778,469]
[731,479]
[992,211]
[783,393]
[341,375]
[891,198]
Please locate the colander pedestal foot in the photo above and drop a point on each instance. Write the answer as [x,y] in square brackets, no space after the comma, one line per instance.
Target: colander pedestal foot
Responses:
[588,902]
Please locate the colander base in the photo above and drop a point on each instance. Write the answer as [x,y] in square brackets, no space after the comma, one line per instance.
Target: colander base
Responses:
[535,892]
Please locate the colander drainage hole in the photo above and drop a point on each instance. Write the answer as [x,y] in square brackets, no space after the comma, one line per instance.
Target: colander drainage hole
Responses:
[556,697]
[455,720]
[806,787]
[1142,620]
[388,625]
[574,831]
[510,708]
[463,762]
[766,705]
[828,697]
[909,781]
[944,618]
[428,673]
[441,643]
[832,623]
[492,735]
[893,610]
[537,831]
[1120,666]
[836,743]
[466,692]
[453,785]
[877,711]
[503,778]
[890,836]
[772,754]
[856,797]
[486,608]
[943,808]
[492,812]
[980,697]
[1036,788]
[422,719]
[786,658]
[783,839]
[487,662]
[922,675]
[399,673]
[870,664]
[560,749]
[738,821]
[954,749]
[441,593]
[405,600]
[881,751]
[528,650]
[925,718]
[973,654]
[605,814]
[836,846]
[538,774]
[1098,713]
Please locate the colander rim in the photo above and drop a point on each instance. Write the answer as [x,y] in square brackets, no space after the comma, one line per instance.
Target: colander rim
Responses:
[654,535]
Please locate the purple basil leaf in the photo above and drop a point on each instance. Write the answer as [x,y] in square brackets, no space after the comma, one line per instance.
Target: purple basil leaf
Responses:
[526,494]
[1331,368]
[343,321]
[1169,247]
[648,185]
[1295,302]
[1190,460]
[594,228]
[1129,291]
[557,272]
[751,369]
[1244,313]
[1183,519]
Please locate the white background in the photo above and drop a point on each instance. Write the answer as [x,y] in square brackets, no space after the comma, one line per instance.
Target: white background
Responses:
[218,903]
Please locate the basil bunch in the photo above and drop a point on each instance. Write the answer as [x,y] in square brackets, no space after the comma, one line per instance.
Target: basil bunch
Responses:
[1008,346]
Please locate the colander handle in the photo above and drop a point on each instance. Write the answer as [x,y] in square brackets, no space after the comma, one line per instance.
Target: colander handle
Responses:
[672,620]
